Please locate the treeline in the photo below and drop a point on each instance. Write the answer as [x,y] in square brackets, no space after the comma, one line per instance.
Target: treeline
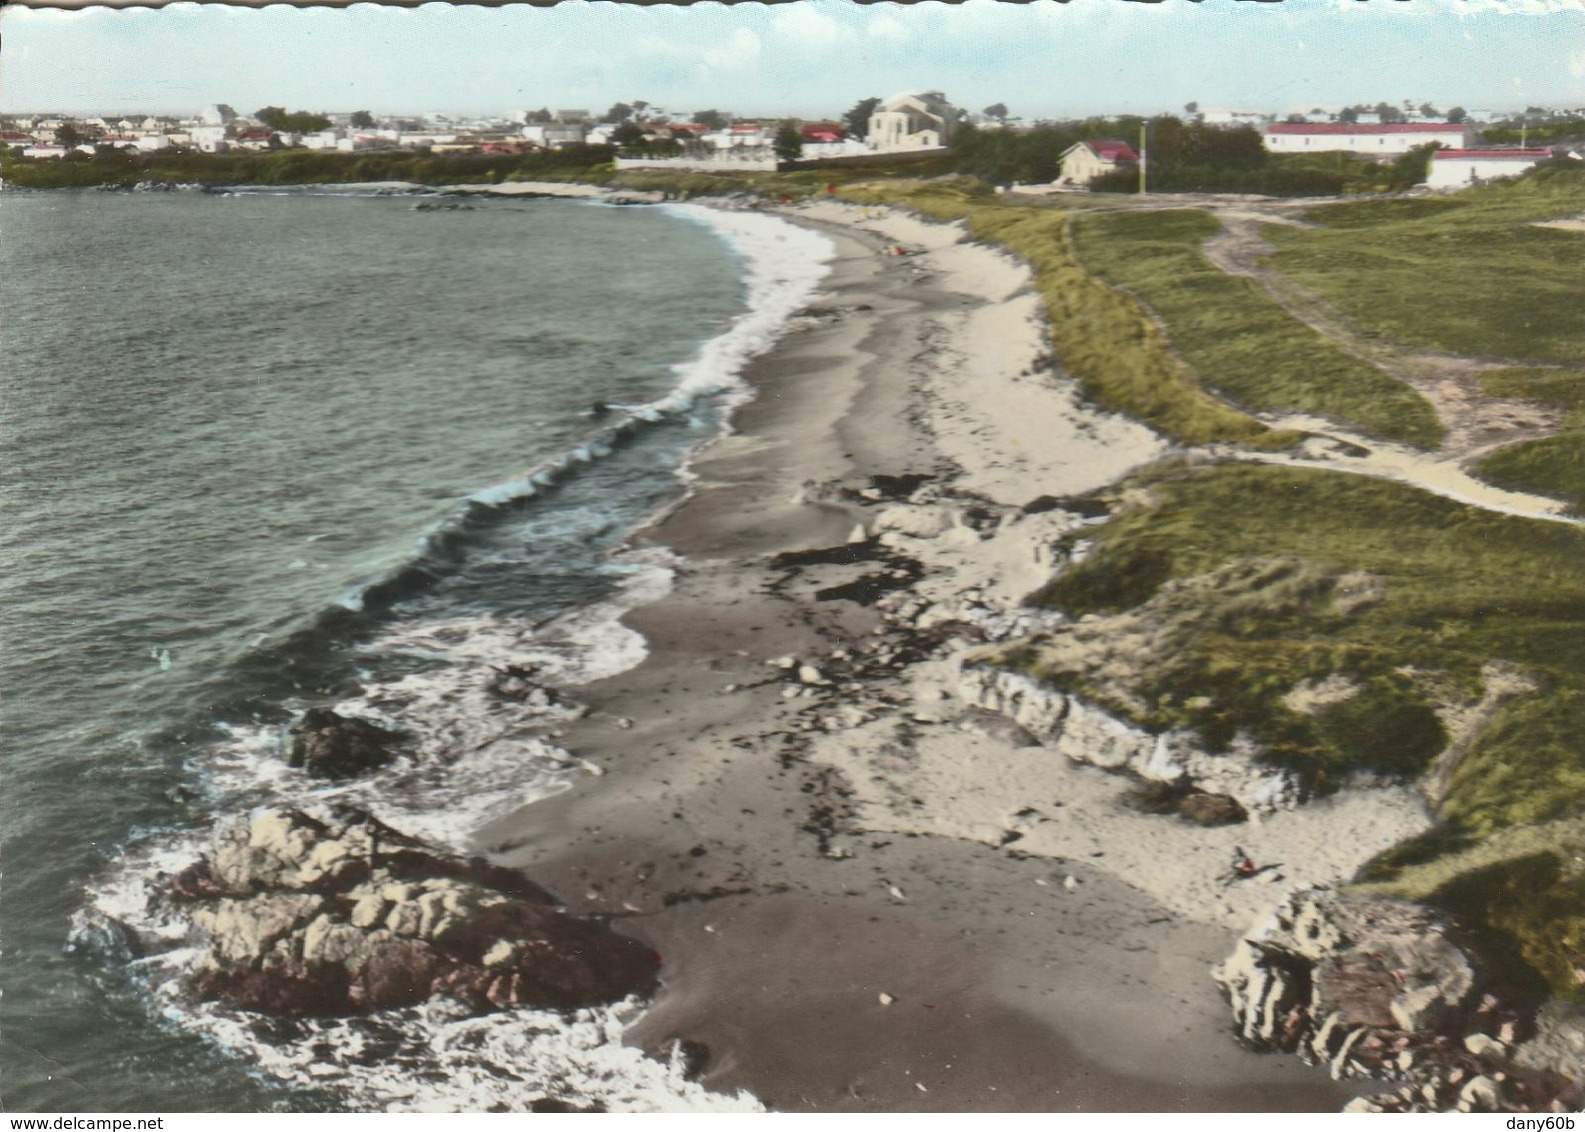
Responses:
[1182,157]
[1542,133]
[299,167]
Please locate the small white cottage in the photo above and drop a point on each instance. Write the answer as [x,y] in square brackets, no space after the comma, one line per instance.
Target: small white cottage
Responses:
[1087,160]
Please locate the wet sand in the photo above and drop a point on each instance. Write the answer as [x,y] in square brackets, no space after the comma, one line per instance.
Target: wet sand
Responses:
[826,963]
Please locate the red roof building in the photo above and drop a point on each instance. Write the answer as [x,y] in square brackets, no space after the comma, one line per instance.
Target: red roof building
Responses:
[1087,160]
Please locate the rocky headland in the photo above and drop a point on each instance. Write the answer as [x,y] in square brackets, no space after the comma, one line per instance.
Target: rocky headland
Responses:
[319,916]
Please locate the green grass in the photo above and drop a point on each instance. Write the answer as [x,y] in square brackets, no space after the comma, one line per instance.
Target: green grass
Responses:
[1562,388]
[1103,337]
[1236,336]
[1237,567]
[1553,465]
[1467,273]
[1462,587]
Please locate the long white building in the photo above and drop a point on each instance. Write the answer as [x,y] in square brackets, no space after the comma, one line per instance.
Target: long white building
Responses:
[1384,139]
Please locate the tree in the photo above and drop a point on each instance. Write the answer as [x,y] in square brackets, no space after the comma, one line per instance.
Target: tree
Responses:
[362,120]
[541,115]
[1428,110]
[857,120]
[1348,114]
[1388,113]
[1457,115]
[68,135]
[639,106]
[628,134]
[997,110]
[619,112]
[1191,107]
[789,143]
[296,122]
[711,118]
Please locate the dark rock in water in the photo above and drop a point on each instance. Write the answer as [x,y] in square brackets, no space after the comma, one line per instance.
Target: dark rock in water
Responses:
[328,745]
[695,1058]
[1077,505]
[305,917]
[553,1104]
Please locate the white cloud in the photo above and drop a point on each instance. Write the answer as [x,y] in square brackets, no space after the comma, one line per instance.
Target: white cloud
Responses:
[888,28]
[742,50]
[806,23]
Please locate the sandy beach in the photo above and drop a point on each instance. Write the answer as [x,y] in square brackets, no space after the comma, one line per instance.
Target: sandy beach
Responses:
[869,894]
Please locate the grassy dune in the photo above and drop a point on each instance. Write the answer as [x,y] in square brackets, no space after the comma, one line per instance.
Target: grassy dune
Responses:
[1468,273]
[1254,575]
[1236,336]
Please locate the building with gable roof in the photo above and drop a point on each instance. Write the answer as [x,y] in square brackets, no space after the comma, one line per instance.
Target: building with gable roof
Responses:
[1087,160]
[913,121]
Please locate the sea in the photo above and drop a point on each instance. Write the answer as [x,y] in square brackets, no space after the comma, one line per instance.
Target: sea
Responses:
[270,450]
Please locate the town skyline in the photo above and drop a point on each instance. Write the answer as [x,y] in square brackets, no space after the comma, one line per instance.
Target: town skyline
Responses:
[812,59]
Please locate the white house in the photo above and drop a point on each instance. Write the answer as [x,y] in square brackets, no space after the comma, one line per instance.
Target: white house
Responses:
[1226,117]
[45,151]
[1087,160]
[149,143]
[554,136]
[913,121]
[324,139]
[1460,168]
[209,139]
[1384,139]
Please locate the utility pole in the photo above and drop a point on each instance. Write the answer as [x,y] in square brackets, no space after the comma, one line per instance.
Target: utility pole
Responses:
[1142,128]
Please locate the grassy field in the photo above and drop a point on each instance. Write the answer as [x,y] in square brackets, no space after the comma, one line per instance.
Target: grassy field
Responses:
[1247,570]
[1468,273]
[1232,333]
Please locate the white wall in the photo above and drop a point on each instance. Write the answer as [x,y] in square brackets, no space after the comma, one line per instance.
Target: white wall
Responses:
[1390,144]
[1460,172]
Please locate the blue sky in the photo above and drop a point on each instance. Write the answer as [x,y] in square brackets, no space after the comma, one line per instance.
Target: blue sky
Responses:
[811,58]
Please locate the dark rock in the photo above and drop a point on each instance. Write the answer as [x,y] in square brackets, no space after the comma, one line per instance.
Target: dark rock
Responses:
[328,745]
[694,1056]
[1077,505]
[196,882]
[1212,809]
[291,990]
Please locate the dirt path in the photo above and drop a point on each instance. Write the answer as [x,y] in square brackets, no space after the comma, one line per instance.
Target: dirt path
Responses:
[1475,421]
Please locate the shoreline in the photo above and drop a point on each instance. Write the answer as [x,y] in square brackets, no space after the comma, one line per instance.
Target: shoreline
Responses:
[826,959]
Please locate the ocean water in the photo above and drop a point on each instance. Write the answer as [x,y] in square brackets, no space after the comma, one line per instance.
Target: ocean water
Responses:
[266,451]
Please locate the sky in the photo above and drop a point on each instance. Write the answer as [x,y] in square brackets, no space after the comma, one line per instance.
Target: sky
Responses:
[811,58]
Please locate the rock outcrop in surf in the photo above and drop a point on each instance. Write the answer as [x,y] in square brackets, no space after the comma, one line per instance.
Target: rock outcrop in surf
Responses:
[1373,987]
[303,916]
[326,744]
